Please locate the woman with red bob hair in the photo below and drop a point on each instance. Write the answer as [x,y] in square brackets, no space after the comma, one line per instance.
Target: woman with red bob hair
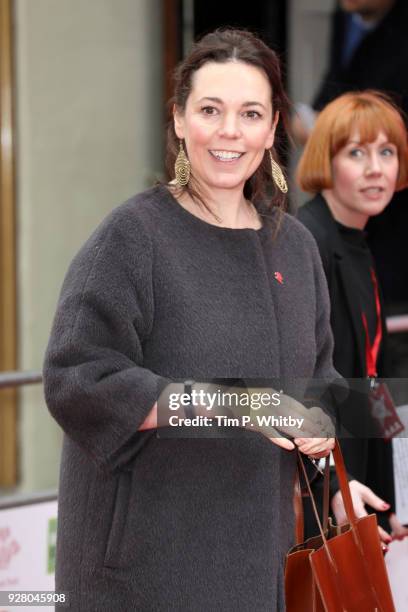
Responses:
[355,159]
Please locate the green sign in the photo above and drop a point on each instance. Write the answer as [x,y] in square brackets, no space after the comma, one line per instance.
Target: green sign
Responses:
[52,540]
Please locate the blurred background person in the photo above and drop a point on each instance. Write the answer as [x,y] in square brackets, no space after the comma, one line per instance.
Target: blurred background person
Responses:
[354,160]
[369,50]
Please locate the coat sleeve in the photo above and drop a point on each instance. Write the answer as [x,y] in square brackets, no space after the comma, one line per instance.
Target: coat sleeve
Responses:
[333,388]
[327,386]
[95,384]
[324,338]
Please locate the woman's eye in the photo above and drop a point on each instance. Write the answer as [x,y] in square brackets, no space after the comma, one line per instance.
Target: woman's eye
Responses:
[356,152]
[388,151]
[208,110]
[252,114]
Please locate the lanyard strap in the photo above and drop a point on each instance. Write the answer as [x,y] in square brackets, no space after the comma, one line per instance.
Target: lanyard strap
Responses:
[373,349]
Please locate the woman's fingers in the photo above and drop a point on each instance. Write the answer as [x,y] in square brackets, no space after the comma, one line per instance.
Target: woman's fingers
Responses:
[282,442]
[319,423]
[320,455]
[315,447]
[314,421]
[399,531]
[338,508]
[369,497]
[384,536]
[360,495]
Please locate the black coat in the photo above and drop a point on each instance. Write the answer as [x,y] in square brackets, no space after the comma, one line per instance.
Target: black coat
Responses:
[349,339]
[379,62]
[367,460]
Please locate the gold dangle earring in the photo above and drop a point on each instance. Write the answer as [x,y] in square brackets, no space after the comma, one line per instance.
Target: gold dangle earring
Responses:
[277,175]
[182,167]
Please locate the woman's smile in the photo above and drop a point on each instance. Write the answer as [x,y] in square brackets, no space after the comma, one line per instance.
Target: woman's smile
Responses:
[227,125]
[226,156]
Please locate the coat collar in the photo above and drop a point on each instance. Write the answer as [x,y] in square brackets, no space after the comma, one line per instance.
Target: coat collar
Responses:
[323,214]
[325,218]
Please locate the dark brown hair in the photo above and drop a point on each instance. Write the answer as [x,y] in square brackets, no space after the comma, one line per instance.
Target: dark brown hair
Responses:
[225,45]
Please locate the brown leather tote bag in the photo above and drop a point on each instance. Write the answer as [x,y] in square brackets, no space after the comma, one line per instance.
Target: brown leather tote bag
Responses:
[342,569]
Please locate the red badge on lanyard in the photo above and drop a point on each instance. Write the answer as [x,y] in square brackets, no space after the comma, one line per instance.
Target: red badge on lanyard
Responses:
[381,402]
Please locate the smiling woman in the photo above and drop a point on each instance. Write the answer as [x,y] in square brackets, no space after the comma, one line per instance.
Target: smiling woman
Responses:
[226,135]
[200,279]
[227,104]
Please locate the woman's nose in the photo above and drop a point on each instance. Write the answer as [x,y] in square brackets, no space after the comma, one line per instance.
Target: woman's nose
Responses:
[374,165]
[230,126]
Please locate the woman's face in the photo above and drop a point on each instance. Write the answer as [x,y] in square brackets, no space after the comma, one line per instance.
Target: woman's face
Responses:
[364,179]
[367,8]
[227,124]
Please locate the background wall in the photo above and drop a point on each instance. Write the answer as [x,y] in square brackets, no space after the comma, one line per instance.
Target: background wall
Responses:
[308,54]
[89,135]
[308,35]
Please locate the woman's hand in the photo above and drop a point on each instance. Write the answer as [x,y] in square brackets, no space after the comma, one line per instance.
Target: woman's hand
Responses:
[150,421]
[304,422]
[398,530]
[314,422]
[282,442]
[360,495]
[315,448]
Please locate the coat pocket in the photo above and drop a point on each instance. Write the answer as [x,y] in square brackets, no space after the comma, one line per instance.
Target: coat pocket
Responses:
[114,547]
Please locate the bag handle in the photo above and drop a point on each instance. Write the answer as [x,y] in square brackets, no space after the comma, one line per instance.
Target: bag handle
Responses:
[343,483]
[344,486]
[325,505]
[345,491]
[298,504]
[326,493]
[299,515]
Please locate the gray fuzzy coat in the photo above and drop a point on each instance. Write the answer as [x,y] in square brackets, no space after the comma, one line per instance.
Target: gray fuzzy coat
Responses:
[153,524]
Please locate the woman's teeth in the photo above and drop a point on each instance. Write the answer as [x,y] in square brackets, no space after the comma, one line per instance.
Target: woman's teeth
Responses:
[226,155]
[372,190]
